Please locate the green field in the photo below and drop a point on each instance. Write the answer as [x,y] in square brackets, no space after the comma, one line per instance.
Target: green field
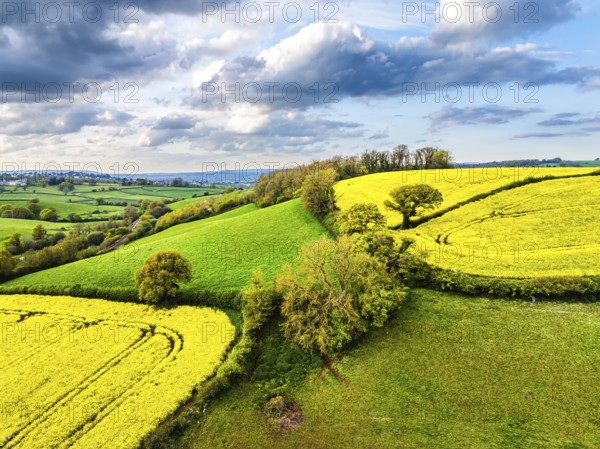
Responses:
[90,373]
[456,185]
[183,203]
[10,226]
[82,200]
[224,250]
[448,372]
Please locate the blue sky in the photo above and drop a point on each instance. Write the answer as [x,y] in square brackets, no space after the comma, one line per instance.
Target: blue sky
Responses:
[524,83]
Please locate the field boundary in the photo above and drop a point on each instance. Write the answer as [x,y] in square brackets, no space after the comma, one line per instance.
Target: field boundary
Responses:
[564,288]
[222,299]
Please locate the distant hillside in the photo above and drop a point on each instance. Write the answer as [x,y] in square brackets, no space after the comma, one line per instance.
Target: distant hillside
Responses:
[556,162]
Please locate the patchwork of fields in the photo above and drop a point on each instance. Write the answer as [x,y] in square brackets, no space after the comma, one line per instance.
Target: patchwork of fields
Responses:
[10,226]
[82,200]
[224,250]
[90,373]
[448,371]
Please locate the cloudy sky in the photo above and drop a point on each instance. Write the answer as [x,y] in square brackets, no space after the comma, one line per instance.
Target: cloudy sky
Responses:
[181,85]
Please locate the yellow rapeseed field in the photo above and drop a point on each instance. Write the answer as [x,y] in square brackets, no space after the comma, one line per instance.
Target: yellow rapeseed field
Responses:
[456,185]
[545,229]
[550,228]
[83,373]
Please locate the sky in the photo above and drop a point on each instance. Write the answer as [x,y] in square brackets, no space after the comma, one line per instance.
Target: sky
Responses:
[158,86]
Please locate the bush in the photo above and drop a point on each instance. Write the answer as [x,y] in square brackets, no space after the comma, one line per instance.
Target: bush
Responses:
[208,208]
[417,272]
[361,218]
[156,279]
[337,293]
[48,214]
[95,238]
[259,303]
[22,213]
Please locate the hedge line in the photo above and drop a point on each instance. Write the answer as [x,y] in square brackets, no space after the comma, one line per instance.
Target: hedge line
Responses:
[221,299]
[570,288]
[230,371]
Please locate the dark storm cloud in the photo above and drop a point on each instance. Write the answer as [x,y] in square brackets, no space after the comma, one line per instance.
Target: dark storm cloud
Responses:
[73,43]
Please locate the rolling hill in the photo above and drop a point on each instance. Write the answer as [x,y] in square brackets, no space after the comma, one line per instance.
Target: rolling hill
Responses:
[546,228]
[224,250]
[456,185]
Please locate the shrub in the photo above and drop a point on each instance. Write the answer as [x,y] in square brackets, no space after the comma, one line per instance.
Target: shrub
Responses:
[48,214]
[337,293]
[95,238]
[156,279]
[361,218]
[259,302]
[318,196]
[22,213]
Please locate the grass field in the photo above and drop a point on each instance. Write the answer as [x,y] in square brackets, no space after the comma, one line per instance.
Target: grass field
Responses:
[9,226]
[224,250]
[82,200]
[548,228]
[183,203]
[456,185]
[448,372]
[89,373]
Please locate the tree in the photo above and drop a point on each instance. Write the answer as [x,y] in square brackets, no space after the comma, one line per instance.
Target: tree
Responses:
[130,214]
[441,159]
[35,208]
[22,213]
[336,293]
[74,218]
[318,196]
[39,233]
[360,218]
[157,279]
[66,187]
[157,209]
[42,183]
[6,210]
[100,201]
[48,214]
[7,263]
[413,200]
[95,238]
[179,182]
[258,303]
[14,244]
